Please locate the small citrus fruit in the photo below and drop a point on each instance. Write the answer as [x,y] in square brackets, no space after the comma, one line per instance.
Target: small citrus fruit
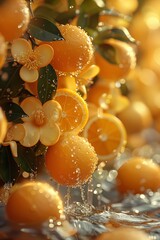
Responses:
[74,111]
[107,135]
[124,233]
[136,117]
[96,92]
[74,52]
[14,18]
[71,161]
[126,61]
[33,203]
[138,175]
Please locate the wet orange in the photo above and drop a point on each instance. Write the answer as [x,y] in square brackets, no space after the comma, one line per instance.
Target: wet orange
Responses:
[137,175]
[33,203]
[124,233]
[136,117]
[14,18]
[74,111]
[125,57]
[107,135]
[71,161]
[96,92]
[74,52]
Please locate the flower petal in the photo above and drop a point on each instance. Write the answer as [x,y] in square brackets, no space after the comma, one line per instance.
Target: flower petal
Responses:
[30,105]
[49,134]
[20,50]
[29,75]
[32,135]
[90,72]
[44,54]
[16,132]
[52,110]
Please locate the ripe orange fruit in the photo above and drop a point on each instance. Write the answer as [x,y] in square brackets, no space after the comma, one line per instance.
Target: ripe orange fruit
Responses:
[71,161]
[74,111]
[107,135]
[136,117]
[74,52]
[126,61]
[96,92]
[3,50]
[33,203]
[14,18]
[137,175]
[124,233]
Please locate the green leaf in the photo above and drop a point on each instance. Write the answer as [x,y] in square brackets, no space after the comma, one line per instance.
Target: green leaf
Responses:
[26,159]
[120,33]
[46,11]
[9,170]
[10,82]
[24,94]
[108,52]
[92,6]
[39,149]
[88,21]
[65,17]
[47,83]
[44,30]
[13,111]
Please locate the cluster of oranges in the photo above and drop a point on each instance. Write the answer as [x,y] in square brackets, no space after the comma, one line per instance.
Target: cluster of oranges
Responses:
[87,120]
[67,119]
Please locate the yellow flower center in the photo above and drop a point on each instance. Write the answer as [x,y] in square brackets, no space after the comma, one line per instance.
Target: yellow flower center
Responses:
[31,62]
[39,118]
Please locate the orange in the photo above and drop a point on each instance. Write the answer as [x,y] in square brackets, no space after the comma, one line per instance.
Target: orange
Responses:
[107,135]
[33,203]
[136,117]
[137,175]
[14,18]
[125,57]
[96,92]
[71,161]
[3,51]
[74,111]
[74,52]
[124,233]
